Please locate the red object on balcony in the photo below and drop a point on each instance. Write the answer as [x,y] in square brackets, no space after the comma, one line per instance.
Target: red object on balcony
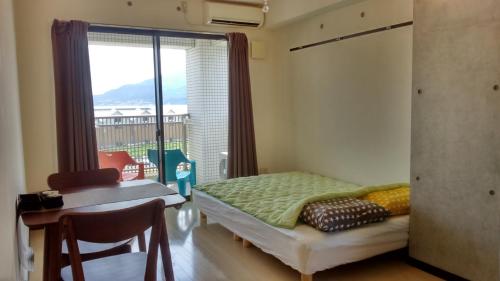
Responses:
[118,160]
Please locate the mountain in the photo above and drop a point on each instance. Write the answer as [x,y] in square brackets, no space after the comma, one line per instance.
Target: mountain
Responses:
[143,93]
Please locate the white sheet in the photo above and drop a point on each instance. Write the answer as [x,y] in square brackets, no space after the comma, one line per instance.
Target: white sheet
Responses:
[305,248]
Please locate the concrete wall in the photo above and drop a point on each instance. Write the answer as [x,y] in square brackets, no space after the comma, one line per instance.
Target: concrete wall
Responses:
[11,156]
[351,99]
[33,22]
[455,137]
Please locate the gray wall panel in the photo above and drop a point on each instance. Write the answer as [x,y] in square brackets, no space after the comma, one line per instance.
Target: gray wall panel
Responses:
[455,222]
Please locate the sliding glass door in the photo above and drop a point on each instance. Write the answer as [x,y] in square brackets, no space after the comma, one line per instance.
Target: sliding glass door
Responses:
[158,93]
[123,85]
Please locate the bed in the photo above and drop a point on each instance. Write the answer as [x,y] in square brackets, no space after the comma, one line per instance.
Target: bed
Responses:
[304,248]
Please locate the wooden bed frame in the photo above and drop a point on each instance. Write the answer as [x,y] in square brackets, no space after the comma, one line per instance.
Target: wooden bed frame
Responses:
[248,244]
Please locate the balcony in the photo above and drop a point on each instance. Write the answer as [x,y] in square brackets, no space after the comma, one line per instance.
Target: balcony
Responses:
[137,134]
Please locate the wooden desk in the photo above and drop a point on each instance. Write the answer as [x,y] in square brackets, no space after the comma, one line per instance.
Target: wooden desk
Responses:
[48,220]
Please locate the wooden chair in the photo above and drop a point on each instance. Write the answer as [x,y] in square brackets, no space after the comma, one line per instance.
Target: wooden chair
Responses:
[78,181]
[66,181]
[108,227]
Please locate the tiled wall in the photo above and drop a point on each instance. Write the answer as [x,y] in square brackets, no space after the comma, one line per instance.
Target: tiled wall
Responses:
[207,93]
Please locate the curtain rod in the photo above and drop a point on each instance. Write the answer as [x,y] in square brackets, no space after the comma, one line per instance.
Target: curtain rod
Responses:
[340,38]
[141,30]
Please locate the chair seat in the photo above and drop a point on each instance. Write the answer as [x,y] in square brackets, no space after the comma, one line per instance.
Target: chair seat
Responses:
[130,176]
[88,247]
[125,267]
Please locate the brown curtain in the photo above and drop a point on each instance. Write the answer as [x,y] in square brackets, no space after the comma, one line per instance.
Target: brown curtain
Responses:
[242,158]
[76,139]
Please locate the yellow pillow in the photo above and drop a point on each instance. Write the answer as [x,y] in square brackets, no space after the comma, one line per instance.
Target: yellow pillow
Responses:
[396,201]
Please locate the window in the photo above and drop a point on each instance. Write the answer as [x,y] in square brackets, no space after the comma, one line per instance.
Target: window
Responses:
[192,98]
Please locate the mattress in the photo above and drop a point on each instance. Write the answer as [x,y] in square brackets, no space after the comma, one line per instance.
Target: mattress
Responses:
[304,248]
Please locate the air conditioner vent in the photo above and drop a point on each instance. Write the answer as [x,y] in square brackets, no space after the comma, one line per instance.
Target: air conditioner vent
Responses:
[235,23]
[229,14]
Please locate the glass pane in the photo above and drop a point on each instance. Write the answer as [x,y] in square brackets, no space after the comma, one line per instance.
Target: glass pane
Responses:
[122,68]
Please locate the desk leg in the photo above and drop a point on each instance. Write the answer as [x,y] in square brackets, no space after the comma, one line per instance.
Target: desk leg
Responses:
[52,253]
[166,258]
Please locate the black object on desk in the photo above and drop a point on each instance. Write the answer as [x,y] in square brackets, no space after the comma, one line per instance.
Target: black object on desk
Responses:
[29,202]
[35,201]
[51,199]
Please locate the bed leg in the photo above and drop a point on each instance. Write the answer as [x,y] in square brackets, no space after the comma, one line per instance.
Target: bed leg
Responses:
[203,218]
[236,237]
[246,243]
[306,277]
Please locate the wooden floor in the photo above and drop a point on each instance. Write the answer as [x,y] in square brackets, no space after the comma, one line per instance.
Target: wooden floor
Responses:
[206,253]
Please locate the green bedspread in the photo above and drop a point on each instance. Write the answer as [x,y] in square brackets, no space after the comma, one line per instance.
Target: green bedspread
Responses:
[278,199]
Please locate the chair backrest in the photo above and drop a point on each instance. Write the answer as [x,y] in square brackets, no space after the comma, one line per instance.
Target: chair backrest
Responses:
[115,226]
[153,156]
[173,157]
[115,159]
[62,181]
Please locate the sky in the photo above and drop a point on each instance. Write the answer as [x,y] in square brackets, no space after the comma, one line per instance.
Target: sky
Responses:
[114,66]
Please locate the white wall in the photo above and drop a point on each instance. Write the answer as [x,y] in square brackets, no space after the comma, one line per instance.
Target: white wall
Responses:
[33,22]
[351,99]
[11,157]
[283,12]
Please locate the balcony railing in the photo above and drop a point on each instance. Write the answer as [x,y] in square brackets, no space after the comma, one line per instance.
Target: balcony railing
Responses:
[137,134]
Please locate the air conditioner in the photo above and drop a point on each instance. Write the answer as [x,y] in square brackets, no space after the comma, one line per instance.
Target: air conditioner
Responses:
[219,13]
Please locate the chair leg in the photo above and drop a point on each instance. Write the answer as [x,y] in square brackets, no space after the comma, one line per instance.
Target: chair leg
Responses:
[165,254]
[181,184]
[142,242]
